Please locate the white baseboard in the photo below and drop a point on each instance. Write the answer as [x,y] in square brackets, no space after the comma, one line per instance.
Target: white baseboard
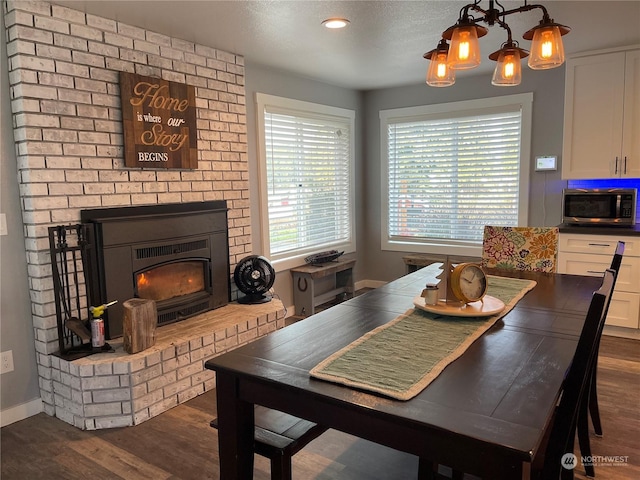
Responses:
[621,332]
[20,412]
[291,310]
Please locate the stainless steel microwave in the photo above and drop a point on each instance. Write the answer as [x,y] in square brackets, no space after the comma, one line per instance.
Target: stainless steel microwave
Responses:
[615,206]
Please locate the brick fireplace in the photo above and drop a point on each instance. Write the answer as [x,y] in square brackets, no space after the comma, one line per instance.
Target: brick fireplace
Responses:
[64,83]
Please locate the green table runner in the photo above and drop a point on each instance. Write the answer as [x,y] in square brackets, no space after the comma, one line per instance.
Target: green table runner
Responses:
[400,358]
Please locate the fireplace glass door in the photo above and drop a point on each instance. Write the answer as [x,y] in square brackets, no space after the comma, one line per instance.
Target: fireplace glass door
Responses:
[171,280]
[180,288]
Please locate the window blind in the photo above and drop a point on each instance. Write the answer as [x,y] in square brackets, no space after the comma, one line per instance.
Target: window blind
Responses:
[308,180]
[451,175]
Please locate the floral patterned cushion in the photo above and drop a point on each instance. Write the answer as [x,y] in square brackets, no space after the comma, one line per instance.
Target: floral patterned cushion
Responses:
[520,248]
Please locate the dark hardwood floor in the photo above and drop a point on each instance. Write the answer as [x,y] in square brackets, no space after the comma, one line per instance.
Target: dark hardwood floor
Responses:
[180,444]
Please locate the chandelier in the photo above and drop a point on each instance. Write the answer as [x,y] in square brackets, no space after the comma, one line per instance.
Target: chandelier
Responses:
[463,53]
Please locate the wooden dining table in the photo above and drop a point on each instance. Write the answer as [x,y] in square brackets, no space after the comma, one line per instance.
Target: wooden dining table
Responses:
[485,414]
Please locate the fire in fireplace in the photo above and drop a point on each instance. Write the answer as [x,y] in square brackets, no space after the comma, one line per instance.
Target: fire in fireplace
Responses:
[175,254]
[164,282]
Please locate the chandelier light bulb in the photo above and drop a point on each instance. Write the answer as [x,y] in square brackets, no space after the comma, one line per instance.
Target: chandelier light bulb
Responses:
[440,74]
[547,50]
[508,70]
[464,50]
[441,69]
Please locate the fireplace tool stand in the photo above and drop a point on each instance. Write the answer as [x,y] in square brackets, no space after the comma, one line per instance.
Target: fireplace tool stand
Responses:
[69,248]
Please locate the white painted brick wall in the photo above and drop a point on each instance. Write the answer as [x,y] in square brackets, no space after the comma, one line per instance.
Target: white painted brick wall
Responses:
[63,73]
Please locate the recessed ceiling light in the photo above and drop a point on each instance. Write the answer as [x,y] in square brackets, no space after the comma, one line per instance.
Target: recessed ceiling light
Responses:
[335,22]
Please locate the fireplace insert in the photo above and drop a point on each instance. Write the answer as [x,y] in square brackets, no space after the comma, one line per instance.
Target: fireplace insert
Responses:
[175,254]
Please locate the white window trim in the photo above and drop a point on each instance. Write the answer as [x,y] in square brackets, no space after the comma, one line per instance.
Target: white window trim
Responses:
[264,101]
[450,247]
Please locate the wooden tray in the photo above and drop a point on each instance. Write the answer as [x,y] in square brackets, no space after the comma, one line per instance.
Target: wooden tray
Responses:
[488,306]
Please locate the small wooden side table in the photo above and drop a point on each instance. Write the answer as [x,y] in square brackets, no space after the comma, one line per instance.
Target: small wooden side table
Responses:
[314,285]
[415,261]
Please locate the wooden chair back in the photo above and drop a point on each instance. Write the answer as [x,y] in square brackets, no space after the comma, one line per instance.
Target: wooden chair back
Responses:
[577,381]
[617,257]
[521,248]
[590,404]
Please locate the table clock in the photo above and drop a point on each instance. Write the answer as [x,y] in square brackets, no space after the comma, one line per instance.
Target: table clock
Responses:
[468,282]
[462,291]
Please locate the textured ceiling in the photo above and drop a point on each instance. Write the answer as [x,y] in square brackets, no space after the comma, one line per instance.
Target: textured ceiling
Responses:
[383,45]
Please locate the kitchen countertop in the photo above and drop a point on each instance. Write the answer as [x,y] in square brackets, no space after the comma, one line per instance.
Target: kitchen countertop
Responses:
[633,230]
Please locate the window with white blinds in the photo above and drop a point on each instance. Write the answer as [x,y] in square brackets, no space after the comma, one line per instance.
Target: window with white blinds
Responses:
[307,177]
[454,168]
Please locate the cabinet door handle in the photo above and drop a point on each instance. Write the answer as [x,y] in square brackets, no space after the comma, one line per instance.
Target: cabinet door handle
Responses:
[596,271]
[616,170]
[599,244]
[625,165]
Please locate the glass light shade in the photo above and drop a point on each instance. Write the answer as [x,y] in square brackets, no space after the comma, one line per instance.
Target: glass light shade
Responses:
[547,50]
[464,52]
[439,73]
[508,71]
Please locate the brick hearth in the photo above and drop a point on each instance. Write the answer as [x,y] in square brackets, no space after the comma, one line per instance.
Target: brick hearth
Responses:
[118,389]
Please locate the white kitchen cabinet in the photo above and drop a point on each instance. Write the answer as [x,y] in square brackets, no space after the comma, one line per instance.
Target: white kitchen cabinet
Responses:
[623,309]
[581,254]
[631,122]
[602,116]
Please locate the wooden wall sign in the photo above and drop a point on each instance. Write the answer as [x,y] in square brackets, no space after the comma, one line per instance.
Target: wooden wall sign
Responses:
[159,122]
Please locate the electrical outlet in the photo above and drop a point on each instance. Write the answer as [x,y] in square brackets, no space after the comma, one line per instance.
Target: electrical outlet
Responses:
[3,224]
[7,362]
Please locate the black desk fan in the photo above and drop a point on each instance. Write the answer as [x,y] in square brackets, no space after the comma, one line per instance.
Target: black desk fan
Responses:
[254,276]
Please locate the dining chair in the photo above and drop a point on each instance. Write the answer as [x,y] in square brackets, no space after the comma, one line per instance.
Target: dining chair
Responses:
[575,390]
[590,407]
[520,248]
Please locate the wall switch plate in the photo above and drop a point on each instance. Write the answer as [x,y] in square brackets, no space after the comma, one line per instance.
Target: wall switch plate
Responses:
[6,363]
[3,224]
